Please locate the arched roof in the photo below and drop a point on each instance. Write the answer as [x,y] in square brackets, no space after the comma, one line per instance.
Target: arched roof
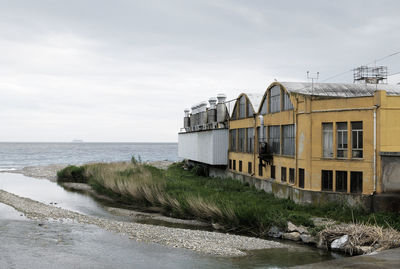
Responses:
[254,98]
[338,89]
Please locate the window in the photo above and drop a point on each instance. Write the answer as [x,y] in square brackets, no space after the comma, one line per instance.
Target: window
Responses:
[327,180]
[240,166]
[274,139]
[241,139]
[242,107]
[275,99]
[249,168]
[264,107]
[301,178]
[356,184]
[250,140]
[341,181]
[234,164]
[260,169]
[230,164]
[341,139]
[283,174]
[357,139]
[272,171]
[288,140]
[291,175]
[235,112]
[250,111]
[232,137]
[327,140]
[287,104]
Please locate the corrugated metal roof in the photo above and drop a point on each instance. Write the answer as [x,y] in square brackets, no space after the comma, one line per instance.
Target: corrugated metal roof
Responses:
[339,89]
[255,99]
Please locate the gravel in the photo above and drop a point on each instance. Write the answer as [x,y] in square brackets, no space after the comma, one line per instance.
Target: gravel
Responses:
[218,244]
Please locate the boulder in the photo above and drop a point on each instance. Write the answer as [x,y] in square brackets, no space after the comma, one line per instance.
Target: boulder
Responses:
[294,236]
[308,239]
[340,243]
[293,228]
[274,232]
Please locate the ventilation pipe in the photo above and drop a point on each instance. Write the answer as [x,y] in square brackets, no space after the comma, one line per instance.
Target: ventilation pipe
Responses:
[212,111]
[202,111]
[261,131]
[222,114]
[186,120]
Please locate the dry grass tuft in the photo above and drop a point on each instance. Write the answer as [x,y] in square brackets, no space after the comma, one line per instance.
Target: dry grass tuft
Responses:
[362,238]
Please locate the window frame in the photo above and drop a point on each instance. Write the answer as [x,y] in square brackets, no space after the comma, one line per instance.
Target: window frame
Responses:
[342,143]
[355,137]
[327,177]
[327,152]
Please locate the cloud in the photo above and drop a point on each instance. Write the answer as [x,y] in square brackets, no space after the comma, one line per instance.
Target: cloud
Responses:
[125,70]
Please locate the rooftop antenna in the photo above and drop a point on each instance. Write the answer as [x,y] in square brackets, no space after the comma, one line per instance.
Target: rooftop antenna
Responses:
[312,78]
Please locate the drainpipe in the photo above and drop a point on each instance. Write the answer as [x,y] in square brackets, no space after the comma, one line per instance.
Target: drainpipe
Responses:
[375,177]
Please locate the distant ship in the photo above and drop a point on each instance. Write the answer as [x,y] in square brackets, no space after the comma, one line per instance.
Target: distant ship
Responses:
[77,141]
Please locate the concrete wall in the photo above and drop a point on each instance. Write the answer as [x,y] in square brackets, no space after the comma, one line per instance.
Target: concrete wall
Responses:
[299,196]
[390,171]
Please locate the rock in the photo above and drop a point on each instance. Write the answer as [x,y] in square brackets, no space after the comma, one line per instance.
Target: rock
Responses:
[217,226]
[366,249]
[339,243]
[308,239]
[322,243]
[294,228]
[274,232]
[294,236]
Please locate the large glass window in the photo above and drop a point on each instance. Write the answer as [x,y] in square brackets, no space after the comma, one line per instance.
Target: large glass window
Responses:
[235,111]
[327,180]
[287,104]
[327,140]
[275,99]
[241,139]
[357,139]
[342,139]
[288,142]
[242,107]
[264,107]
[250,140]
[250,111]
[274,139]
[232,137]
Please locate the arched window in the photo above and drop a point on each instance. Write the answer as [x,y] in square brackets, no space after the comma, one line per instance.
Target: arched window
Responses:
[275,99]
[242,107]
[287,104]
[234,113]
[264,107]
[250,111]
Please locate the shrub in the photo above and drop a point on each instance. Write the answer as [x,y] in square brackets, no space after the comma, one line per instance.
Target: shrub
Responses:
[72,174]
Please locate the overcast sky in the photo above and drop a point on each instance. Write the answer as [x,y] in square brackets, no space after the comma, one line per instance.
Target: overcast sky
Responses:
[125,70]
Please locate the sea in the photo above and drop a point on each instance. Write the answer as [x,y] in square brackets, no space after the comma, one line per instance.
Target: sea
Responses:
[15,156]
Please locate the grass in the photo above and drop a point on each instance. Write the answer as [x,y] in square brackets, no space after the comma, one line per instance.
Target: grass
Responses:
[233,205]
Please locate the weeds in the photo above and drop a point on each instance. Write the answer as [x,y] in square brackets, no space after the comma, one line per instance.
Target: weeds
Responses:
[236,207]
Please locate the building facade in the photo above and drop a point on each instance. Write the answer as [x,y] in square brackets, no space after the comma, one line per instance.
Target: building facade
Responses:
[341,138]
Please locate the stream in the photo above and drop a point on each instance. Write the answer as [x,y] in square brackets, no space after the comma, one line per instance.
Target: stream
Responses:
[26,243]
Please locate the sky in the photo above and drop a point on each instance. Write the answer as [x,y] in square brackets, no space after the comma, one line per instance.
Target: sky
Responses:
[124,71]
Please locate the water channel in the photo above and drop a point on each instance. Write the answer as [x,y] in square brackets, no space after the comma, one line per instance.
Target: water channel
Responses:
[25,243]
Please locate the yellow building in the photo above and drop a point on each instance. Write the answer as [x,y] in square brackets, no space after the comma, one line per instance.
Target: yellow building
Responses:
[341,138]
